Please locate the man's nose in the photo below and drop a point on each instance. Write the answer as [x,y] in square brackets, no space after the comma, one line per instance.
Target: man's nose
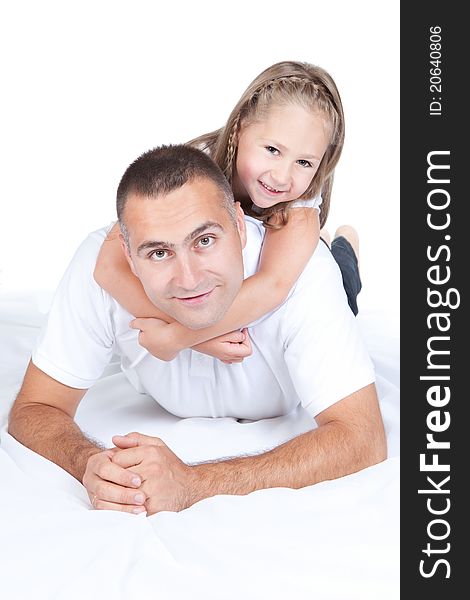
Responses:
[187,273]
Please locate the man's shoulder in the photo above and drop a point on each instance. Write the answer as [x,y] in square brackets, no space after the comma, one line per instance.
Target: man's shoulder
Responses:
[87,251]
[76,343]
[78,280]
[319,287]
[320,267]
[255,233]
[93,240]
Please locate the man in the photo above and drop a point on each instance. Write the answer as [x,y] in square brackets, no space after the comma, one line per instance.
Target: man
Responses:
[184,237]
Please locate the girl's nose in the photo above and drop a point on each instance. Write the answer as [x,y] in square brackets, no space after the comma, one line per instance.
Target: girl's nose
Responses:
[281,175]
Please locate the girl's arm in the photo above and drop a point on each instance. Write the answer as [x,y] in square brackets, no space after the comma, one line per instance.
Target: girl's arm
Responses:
[113,274]
[285,253]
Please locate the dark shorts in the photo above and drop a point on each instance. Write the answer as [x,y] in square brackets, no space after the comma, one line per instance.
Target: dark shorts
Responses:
[345,256]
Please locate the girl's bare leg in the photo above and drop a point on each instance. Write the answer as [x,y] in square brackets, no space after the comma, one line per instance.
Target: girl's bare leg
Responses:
[324,234]
[348,232]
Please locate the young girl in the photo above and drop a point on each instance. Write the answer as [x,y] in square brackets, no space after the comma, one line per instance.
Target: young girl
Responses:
[278,149]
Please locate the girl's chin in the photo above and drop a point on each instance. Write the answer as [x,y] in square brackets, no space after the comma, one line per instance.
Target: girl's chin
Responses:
[263,198]
[261,205]
[262,202]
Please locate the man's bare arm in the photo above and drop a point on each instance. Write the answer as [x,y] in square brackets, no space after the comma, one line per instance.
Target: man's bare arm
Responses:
[42,418]
[350,437]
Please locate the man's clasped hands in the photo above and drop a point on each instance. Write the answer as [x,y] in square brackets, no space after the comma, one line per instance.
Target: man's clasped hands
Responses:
[141,474]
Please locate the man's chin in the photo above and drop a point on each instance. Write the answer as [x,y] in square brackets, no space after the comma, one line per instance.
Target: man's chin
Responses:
[197,323]
[199,315]
[200,319]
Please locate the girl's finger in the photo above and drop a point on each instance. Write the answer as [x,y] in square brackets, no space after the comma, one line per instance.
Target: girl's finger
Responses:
[137,324]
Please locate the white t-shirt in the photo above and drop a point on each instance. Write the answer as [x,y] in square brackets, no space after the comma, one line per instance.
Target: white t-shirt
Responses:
[310,203]
[308,351]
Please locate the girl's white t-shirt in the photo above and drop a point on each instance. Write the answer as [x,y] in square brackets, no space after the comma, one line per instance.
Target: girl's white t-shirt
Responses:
[309,203]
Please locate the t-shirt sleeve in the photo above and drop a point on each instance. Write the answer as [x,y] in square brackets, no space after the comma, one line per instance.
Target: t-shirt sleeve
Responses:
[76,343]
[323,348]
[309,203]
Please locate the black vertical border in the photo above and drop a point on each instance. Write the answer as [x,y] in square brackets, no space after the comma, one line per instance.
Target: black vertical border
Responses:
[421,133]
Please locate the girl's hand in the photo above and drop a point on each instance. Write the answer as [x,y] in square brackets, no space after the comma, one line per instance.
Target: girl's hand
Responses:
[162,340]
[157,337]
[229,348]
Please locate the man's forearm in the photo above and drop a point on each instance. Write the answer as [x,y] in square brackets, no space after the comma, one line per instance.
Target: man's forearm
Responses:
[328,452]
[53,434]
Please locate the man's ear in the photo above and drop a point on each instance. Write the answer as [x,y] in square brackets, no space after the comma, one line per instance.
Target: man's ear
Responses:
[125,249]
[241,225]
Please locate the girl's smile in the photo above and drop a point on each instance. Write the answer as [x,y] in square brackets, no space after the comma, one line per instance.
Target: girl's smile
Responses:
[278,157]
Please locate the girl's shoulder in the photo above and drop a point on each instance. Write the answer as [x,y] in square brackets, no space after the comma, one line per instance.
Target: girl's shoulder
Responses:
[309,203]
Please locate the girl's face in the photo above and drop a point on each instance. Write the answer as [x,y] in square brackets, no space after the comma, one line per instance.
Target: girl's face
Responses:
[278,156]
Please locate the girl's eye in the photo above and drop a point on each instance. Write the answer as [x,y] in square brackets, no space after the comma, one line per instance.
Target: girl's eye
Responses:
[272,149]
[158,255]
[304,163]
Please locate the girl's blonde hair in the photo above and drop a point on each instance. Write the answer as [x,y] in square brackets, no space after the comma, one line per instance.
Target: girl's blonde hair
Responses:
[283,83]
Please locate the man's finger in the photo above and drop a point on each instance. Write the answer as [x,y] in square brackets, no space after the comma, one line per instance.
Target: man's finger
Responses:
[129,508]
[131,457]
[123,441]
[109,492]
[134,438]
[112,472]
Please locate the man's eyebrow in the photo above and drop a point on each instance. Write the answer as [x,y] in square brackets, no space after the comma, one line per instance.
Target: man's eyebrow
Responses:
[160,244]
[154,245]
[207,225]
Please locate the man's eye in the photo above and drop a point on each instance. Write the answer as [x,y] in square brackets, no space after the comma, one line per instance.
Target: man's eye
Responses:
[206,241]
[304,163]
[157,255]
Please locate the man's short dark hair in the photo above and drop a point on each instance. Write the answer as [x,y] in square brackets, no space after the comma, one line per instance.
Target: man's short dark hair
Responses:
[164,169]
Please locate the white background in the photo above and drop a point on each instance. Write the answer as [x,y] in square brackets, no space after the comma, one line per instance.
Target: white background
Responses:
[88,86]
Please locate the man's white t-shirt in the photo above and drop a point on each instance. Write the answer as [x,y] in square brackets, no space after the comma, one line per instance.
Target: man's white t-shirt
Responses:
[309,351]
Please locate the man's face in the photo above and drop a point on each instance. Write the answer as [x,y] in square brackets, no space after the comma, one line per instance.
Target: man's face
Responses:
[186,250]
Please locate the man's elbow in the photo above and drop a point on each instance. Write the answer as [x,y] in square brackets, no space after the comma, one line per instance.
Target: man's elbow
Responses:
[366,446]
[15,421]
[370,430]
[376,447]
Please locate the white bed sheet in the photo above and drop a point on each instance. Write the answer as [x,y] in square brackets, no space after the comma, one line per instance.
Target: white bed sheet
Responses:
[335,540]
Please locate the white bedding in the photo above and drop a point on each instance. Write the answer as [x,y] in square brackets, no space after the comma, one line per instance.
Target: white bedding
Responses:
[335,540]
